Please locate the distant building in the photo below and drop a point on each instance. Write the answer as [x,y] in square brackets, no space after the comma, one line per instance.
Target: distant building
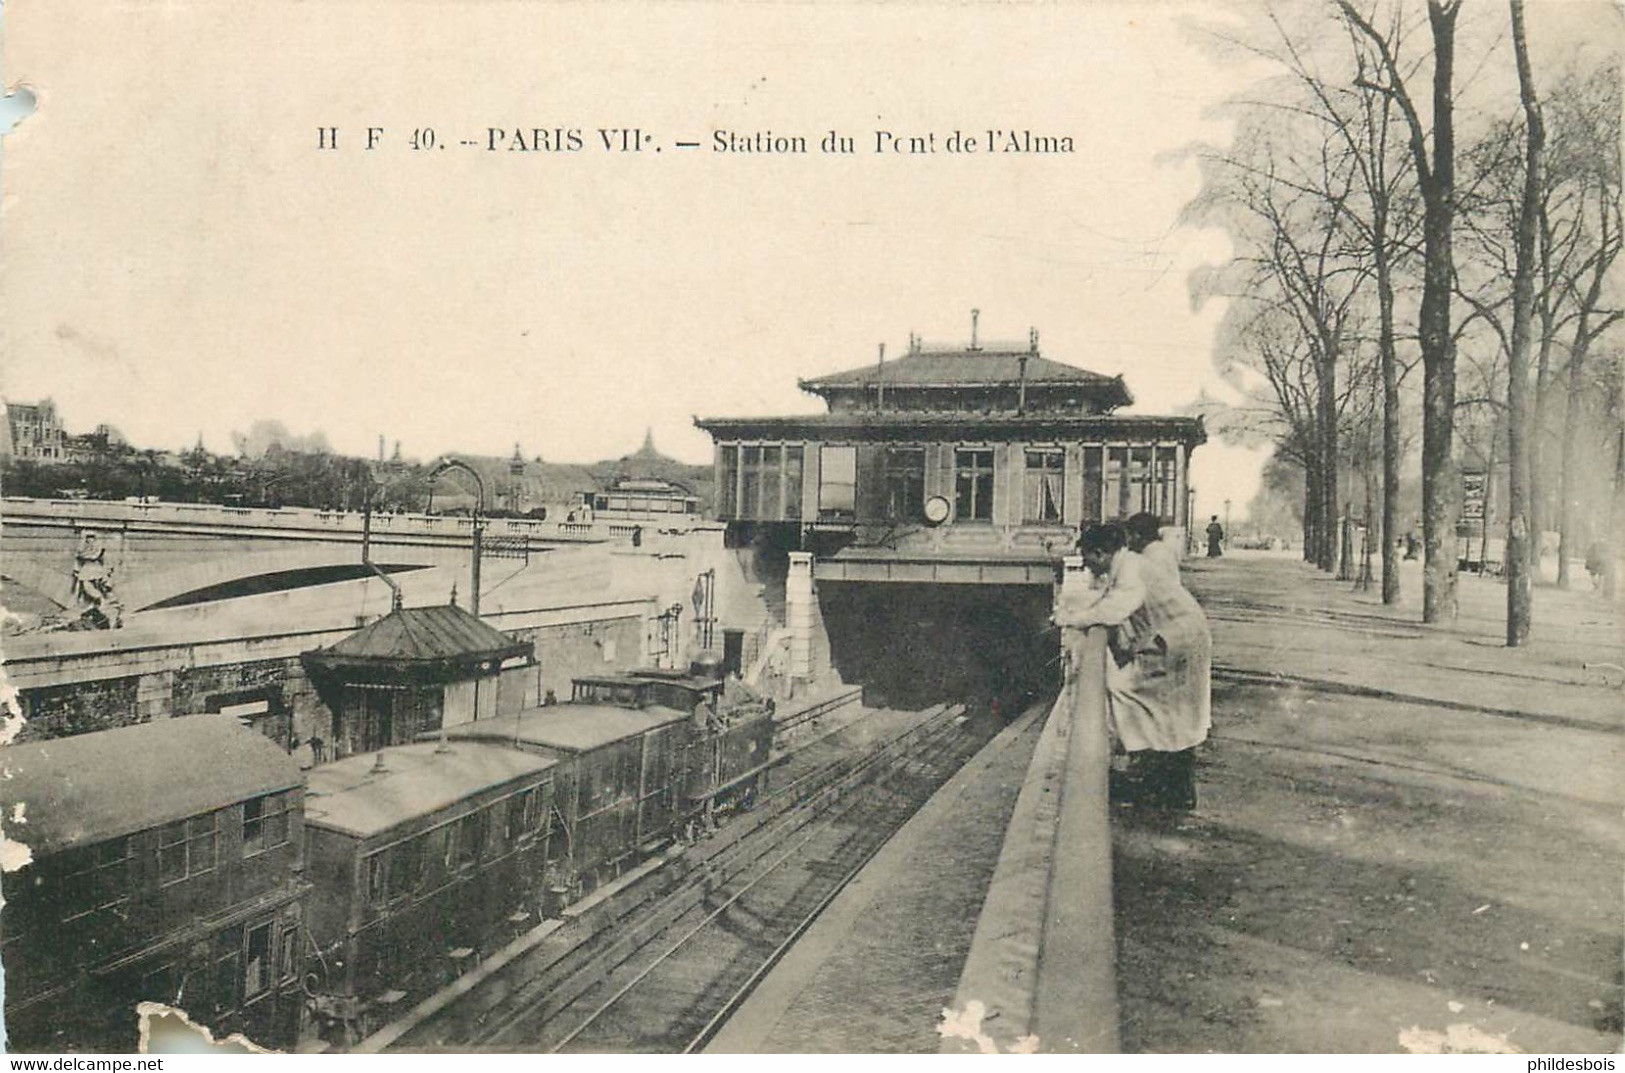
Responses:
[85,447]
[643,491]
[153,877]
[649,498]
[36,431]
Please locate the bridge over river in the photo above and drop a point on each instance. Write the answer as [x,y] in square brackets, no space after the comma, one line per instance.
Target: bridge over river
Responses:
[170,554]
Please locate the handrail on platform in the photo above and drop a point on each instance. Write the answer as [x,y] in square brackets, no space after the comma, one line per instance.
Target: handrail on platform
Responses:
[1041,973]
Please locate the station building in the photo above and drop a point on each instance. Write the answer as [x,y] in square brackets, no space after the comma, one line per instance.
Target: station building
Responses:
[923,516]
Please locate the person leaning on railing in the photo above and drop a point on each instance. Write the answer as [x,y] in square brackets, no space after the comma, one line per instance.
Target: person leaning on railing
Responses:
[1158,677]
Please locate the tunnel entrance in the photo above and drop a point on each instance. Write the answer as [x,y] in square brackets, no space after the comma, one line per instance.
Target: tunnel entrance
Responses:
[914,644]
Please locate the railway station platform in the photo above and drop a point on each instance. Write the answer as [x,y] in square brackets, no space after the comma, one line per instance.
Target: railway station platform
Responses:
[876,970]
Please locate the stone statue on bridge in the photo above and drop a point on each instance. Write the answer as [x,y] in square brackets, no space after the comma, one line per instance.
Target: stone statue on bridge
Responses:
[93,594]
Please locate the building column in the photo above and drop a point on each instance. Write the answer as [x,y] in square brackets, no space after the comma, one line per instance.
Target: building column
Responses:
[798,613]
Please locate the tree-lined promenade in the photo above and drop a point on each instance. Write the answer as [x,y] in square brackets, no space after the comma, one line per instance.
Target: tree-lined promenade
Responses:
[1409,836]
[1424,188]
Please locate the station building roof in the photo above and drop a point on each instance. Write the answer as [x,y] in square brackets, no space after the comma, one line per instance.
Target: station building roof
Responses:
[88,788]
[964,368]
[569,728]
[353,797]
[947,424]
[437,643]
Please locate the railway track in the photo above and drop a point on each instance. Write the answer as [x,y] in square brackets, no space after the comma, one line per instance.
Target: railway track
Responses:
[661,971]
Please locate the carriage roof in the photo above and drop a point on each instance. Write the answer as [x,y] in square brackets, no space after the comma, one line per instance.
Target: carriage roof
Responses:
[575,728]
[89,788]
[352,797]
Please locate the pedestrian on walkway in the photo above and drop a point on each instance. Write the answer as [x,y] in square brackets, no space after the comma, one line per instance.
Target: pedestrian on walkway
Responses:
[1158,679]
[1215,538]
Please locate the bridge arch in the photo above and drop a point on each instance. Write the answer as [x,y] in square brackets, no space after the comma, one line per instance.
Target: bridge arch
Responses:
[142,591]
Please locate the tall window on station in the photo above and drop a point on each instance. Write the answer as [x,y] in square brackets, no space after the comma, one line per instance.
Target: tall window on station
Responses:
[728,487]
[793,462]
[772,483]
[1140,497]
[1167,476]
[838,482]
[1114,498]
[751,464]
[1043,483]
[973,484]
[1091,483]
[905,483]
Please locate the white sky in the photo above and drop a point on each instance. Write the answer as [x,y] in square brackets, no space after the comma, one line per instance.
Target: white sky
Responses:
[181,259]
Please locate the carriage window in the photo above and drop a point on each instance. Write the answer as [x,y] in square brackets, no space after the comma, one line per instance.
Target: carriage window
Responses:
[524,815]
[377,880]
[1042,491]
[289,959]
[257,962]
[265,823]
[405,869]
[186,848]
[228,954]
[973,485]
[471,832]
[838,481]
[95,885]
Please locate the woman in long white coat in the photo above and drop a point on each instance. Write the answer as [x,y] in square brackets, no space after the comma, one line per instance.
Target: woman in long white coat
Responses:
[1158,679]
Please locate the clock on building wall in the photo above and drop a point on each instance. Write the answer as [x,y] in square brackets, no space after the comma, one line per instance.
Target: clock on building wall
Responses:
[936,510]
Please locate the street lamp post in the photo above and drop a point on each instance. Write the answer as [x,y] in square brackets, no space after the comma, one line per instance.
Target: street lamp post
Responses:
[479,522]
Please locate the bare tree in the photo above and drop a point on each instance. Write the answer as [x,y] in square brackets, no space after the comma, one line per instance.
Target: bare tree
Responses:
[1363,119]
[1516,557]
[1298,283]
[1435,177]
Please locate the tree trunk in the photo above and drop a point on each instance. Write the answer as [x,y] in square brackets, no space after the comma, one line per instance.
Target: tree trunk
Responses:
[1539,488]
[1515,559]
[1345,545]
[1363,582]
[1390,412]
[1311,513]
[1610,570]
[1327,415]
[1566,548]
[1439,497]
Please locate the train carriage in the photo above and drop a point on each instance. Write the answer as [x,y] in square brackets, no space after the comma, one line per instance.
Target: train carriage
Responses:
[418,853]
[164,866]
[618,784]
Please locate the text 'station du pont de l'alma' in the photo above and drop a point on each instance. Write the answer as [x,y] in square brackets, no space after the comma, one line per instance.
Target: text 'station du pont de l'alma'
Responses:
[568,140]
